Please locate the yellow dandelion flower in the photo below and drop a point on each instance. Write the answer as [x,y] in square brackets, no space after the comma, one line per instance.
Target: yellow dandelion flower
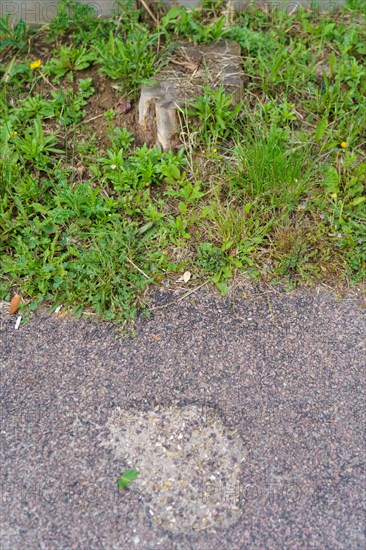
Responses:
[344,144]
[215,150]
[35,64]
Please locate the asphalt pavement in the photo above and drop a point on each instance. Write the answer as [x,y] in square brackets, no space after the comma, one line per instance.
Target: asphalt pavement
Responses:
[244,415]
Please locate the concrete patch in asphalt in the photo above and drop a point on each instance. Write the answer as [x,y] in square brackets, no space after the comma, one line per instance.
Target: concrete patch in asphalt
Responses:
[189,466]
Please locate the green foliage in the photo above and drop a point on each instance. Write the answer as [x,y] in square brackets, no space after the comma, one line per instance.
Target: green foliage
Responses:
[273,187]
[35,146]
[132,61]
[126,478]
[346,191]
[71,16]
[14,37]
[73,245]
[181,22]
[215,115]
[16,73]
[217,264]
[251,41]
[210,257]
[68,61]
[64,105]
[268,167]
[142,169]
[67,106]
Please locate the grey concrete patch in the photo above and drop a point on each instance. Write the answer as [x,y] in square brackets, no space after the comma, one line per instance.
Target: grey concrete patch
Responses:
[185,463]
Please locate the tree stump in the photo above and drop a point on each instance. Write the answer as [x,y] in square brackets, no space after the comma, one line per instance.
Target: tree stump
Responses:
[190,68]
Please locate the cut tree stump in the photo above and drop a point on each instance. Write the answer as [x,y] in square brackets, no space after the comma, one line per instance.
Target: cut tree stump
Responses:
[189,69]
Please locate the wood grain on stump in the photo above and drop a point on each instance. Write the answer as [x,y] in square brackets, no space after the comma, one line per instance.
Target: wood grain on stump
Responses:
[189,69]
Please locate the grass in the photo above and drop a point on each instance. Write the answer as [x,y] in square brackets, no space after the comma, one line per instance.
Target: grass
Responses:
[274,188]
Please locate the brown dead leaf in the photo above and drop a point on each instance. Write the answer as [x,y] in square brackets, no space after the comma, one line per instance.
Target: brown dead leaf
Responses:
[124,106]
[80,169]
[14,304]
[61,314]
[322,69]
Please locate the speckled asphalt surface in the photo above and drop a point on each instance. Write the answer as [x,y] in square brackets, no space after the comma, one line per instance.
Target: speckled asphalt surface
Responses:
[276,380]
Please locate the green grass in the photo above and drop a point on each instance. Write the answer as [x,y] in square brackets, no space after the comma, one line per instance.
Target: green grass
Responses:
[273,188]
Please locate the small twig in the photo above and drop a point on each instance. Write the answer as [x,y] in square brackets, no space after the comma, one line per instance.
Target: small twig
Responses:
[94,117]
[150,12]
[298,114]
[190,292]
[188,65]
[252,76]
[89,120]
[48,82]
[138,269]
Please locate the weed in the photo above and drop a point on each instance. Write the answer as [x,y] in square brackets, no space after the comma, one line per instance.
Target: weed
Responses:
[15,37]
[126,478]
[74,17]
[68,61]
[181,22]
[132,61]
[215,115]
[67,106]
[35,146]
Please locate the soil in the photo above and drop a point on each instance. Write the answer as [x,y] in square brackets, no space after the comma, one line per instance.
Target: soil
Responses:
[107,97]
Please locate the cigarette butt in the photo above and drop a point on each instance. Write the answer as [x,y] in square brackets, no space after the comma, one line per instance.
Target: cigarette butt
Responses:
[17,322]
